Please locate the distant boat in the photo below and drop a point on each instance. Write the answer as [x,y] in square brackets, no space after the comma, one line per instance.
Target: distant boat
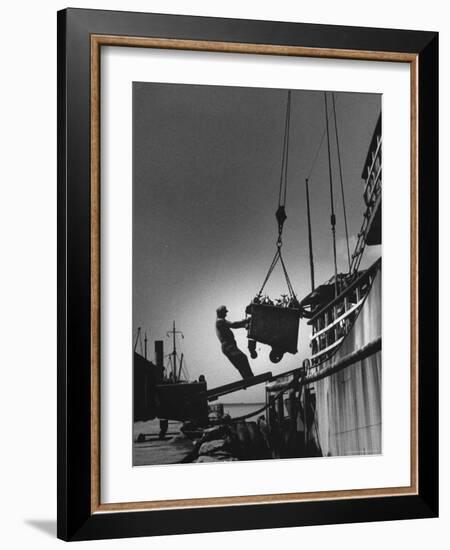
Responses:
[162,393]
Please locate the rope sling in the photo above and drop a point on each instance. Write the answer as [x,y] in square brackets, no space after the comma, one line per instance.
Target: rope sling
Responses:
[280,214]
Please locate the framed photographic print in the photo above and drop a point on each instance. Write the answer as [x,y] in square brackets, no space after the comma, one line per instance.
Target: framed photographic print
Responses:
[247,274]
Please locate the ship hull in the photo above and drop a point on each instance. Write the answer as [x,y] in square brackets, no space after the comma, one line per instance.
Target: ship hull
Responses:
[348,413]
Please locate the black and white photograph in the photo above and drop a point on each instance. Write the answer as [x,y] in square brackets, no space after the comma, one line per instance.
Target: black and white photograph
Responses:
[256,273]
[233,331]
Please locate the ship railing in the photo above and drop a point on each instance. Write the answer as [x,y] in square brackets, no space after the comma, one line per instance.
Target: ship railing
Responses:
[333,322]
[373,186]
[360,244]
[371,200]
[373,171]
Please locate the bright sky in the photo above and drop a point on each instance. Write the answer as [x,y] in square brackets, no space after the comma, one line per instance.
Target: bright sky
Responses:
[207,163]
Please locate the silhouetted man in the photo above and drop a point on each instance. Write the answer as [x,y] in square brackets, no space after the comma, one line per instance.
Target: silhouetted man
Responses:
[229,346]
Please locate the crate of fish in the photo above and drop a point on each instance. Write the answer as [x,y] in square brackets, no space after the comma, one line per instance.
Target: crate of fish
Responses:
[274,325]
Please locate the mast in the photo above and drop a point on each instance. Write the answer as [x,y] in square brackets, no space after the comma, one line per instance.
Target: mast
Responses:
[174,355]
[333,215]
[311,259]
[342,181]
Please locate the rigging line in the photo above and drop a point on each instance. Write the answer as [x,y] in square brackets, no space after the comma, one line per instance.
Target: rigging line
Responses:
[280,214]
[278,257]
[282,192]
[139,341]
[342,181]
[317,152]
[184,372]
[137,338]
[287,146]
[288,281]
[333,215]
[270,271]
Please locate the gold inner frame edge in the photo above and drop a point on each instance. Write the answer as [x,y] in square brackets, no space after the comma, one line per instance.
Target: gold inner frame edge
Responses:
[97,41]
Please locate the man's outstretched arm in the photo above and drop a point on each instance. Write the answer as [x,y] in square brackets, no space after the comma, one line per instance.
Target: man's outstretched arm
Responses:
[239,324]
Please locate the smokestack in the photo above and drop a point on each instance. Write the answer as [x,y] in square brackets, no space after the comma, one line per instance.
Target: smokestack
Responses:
[159,353]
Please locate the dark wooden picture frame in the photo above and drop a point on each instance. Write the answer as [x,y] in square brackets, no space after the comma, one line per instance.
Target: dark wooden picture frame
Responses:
[81,34]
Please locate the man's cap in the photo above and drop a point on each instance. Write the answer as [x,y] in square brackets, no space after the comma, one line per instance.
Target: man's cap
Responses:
[221,309]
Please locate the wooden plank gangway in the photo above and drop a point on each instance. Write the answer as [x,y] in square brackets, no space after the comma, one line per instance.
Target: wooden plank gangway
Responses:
[215,393]
[219,391]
